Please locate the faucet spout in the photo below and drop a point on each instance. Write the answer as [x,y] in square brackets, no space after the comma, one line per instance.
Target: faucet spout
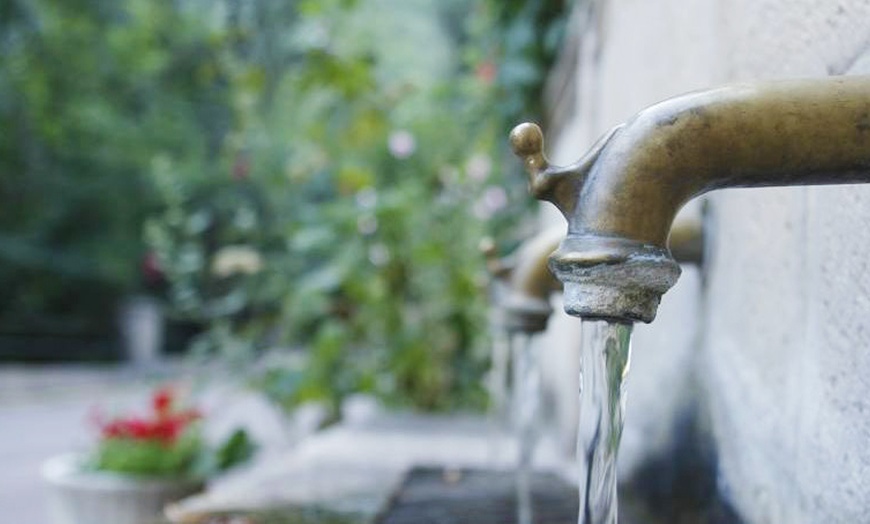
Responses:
[528,303]
[621,199]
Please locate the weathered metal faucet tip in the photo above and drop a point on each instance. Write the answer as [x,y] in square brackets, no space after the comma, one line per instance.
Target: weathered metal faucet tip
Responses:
[621,198]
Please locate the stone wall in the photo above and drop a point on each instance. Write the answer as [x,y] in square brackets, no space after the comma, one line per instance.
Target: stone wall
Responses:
[775,331]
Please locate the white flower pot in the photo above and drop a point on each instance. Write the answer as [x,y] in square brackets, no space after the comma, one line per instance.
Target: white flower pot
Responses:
[79,496]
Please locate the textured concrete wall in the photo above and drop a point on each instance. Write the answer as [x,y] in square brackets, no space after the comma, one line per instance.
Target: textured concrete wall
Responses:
[785,356]
[784,309]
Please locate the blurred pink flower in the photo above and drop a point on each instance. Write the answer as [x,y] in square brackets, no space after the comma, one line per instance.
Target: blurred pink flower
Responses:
[494,198]
[478,167]
[401,144]
[367,224]
[486,72]
[367,198]
[379,254]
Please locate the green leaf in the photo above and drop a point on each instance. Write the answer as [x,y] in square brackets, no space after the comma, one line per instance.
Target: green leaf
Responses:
[237,449]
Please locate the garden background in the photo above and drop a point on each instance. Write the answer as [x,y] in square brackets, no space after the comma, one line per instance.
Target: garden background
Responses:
[308,177]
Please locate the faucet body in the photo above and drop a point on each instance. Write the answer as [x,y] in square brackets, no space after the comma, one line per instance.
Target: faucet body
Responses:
[621,198]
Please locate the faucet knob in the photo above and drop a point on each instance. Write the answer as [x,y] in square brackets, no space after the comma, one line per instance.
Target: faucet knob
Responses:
[559,185]
[527,142]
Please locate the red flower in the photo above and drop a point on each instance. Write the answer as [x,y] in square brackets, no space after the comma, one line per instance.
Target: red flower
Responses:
[486,72]
[241,167]
[139,428]
[164,425]
[152,272]
[162,401]
[112,429]
[167,430]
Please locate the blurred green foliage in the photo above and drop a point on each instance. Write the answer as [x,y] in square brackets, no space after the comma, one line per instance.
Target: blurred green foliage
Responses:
[309,174]
[528,35]
[89,90]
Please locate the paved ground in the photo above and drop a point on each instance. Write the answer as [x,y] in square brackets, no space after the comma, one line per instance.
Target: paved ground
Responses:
[29,435]
[353,466]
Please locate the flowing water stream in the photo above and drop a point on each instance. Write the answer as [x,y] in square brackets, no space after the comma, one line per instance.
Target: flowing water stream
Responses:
[527,399]
[603,367]
[499,415]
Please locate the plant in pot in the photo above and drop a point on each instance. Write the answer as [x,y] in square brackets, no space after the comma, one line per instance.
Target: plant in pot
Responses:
[139,465]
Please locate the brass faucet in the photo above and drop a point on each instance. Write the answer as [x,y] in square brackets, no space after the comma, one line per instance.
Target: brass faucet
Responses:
[621,198]
[530,284]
